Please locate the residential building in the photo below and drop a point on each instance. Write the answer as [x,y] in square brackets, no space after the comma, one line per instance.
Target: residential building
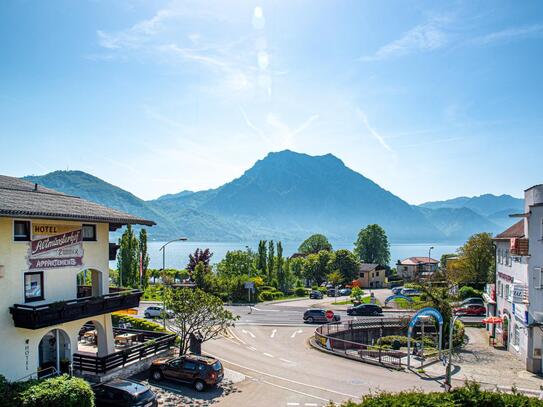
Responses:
[519,282]
[54,278]
[415,268]
[371,275]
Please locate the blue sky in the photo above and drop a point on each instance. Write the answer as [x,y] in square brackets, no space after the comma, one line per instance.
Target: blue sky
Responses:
[431,100]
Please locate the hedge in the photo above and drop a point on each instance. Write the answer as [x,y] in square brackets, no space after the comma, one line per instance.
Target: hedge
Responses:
[270,295]
[468,292]
[470,395]
[300,291]
[136,323]
[61,391]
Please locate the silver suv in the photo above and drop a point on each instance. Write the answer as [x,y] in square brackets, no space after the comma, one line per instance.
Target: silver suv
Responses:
[155,311]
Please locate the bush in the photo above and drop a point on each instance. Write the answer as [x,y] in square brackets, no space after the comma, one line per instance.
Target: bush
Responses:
[469,395]
[136,323]
[265,296]
[402,340]
[459,333]
[467,292]
[266,288]
[299,291]
[323,290]
[62,391]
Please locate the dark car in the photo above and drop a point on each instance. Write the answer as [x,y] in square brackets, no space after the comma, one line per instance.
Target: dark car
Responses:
[365,310]
[345,291]
[470,309]
[318,315]
[315,295]
[200,371]
[124,393]
[332,292]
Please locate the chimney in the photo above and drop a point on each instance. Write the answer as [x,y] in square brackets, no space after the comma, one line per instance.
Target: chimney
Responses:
[36,187]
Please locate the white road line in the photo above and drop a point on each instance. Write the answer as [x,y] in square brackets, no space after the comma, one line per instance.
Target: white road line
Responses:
[248,332]
[251,348]
[286,361]
[266,310]
[291,381]
[293,404]
[273,333]
[299,331]
[311,404]
[268,355]
[235,336]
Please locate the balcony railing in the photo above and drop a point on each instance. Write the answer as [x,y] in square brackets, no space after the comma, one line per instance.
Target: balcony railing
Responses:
[40,316]
[520,247]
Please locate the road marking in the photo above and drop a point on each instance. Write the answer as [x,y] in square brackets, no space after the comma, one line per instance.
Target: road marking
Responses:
[286,361]
[273,333]
[291,381]
[235,336]
[293,404]
[266,310]
[248,332]
[299,331]
[268,355]
[311,404]
[251,348]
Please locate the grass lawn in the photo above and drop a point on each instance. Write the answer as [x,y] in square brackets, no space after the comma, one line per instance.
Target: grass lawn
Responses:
[364,300]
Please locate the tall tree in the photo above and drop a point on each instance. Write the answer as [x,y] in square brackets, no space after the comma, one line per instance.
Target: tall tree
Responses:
[196,312]
[314,244]
[235,263]
[477,259]
[128,259]
[372,245]
[144,257]
[281,275]
[296,266]
[345,263]
[199,255]
[315,266]
[271,261]
[261,263]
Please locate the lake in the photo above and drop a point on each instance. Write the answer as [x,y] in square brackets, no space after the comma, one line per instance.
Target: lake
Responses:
[177,253]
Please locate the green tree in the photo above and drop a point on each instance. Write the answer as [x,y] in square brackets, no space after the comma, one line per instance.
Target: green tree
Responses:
[236,263]
[199,255]
[199,276]
[144,257]
[314,244]
[261,263]
[372,245]
[345,263]
[196,312]
[477,259]
[315,267]
[335,278]
[128,259]
[281,274]
[296,266]
[271,261]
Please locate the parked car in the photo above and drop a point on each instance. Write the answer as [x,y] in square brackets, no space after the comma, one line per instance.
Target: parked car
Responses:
[315,295]
[365,310]
[397,290]
[470,309]
[200,371]
[155,311]
[124,393]
[345,291]
[332,292]
[473,300]
[410,292]
[318,315]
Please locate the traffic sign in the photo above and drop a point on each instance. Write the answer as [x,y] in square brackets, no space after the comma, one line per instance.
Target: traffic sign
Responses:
[329,315]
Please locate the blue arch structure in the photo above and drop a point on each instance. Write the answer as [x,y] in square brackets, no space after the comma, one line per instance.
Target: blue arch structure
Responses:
[431,312]
[398,296]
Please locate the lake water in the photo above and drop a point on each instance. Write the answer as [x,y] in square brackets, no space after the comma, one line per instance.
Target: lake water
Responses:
[177,253]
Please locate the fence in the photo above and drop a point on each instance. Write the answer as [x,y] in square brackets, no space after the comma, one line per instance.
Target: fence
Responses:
[155,342]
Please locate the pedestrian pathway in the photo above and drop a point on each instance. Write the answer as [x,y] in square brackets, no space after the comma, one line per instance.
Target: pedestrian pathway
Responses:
[488,365]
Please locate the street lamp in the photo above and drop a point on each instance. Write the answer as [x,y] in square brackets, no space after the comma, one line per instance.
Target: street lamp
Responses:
[163,248]
[429,264]
[449,361]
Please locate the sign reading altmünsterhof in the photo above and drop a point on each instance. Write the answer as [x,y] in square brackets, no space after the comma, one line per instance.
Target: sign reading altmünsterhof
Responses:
[55,246]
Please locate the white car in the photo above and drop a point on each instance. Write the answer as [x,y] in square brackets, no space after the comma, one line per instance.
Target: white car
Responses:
[410,292]
[155,311]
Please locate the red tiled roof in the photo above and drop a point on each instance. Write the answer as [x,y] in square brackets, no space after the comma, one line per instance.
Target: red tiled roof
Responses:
[515,231]
[417,260]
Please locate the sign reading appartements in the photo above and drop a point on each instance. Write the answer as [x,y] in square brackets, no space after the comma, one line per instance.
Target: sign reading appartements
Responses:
[55,246]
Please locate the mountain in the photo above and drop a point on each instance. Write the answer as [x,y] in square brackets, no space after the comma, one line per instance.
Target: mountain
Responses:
[289,195]
[485,205]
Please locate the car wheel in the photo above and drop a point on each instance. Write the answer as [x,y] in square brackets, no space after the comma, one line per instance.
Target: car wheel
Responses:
[199,385]
[146,315]
[310,320]
[157,375]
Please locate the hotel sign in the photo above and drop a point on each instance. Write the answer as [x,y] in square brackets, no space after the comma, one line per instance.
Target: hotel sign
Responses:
[55,246]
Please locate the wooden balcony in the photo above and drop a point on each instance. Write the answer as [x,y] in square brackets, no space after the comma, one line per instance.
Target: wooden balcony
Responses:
[40,316]
[520,247]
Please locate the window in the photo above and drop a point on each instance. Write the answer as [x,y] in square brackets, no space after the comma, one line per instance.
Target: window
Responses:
[362,275]
[516,336]
[189,365]
[21,230]
[89,233]
[507,292]
[539,271]
[34,286]
[376,274]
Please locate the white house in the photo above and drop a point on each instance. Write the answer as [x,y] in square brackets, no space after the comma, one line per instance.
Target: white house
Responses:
[414,268]
[48,240]
[519,282]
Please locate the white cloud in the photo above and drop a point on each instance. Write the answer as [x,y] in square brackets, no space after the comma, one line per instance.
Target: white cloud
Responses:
[371,130]
[509,34]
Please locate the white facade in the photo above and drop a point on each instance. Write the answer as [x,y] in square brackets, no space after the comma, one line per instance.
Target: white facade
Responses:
[519,284]
[20,346]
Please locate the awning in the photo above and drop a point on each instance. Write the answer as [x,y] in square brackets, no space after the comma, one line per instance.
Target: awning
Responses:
[493,320]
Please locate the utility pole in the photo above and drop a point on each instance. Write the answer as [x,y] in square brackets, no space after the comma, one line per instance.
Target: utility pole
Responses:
[163,248]
[449,360]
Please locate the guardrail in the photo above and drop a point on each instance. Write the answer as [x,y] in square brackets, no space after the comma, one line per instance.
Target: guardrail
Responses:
[156,343]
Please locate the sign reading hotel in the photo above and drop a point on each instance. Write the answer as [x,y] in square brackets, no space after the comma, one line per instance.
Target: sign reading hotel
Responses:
[55,246]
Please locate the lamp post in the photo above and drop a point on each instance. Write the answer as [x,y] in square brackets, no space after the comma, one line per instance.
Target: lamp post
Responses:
[429,252]
[163,248]
[449,361]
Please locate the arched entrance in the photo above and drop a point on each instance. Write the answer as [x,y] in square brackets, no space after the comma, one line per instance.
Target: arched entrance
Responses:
[89,283]
[54,352]
[505,331]
[93,339]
